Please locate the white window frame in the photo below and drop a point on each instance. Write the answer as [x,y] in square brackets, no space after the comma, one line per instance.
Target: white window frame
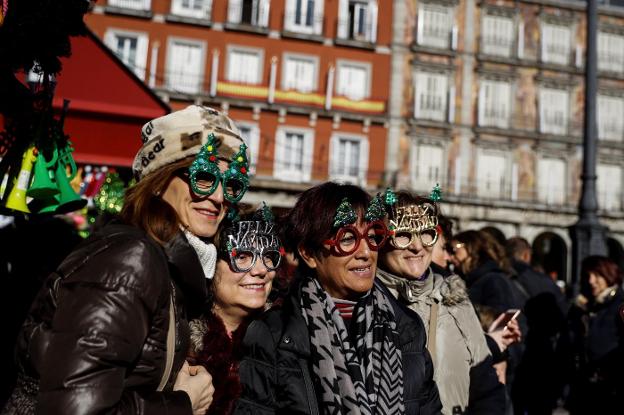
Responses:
[290,23]
[346,20]
[419,181]
[547,110]
[550,32]
[140,65]
[549,190]
[611,52]
[260,10]
[253,142]
[609,191]
[421,111]
[494,41]
[422,38]
[244,49]
[131,4]
[178,8]
[341,63]
[286,74]
[334,150]
[504,182]
[188,86]
[610,118]
[486,109]
[292,175]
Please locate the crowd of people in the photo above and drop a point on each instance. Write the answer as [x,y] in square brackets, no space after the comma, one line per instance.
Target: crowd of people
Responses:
[192,302]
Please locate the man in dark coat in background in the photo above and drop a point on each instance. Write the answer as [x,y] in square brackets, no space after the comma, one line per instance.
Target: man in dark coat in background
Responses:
[541,374]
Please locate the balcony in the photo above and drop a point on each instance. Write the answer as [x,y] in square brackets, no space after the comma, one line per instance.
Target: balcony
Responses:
[136,8]
[248,15]
[197,12]
[357,25]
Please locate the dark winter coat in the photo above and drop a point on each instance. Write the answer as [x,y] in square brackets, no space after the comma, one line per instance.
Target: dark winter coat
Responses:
[276,372]
[489,286]
[96,335]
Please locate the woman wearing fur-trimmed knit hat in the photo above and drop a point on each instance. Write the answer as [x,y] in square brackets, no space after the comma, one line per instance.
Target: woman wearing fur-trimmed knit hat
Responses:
[109,333]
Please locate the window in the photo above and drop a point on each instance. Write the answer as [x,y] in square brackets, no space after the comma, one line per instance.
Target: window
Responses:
[199,9]
[304,16]
[435,23]
[293,155]
[610,52]
[497,36]
[348,159]
[130,47]
[131,4]
[353,80]
[427,166]
[609,186]
[491,174]
[244,65]
[250,12]
[299,72]
[185,66]
[554,107]
[610,118]
[551,181]
[431,93]
[251,134]
[494,103]
[556,43]
[357,20]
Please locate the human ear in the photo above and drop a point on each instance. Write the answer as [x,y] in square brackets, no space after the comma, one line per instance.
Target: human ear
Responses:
[307,257]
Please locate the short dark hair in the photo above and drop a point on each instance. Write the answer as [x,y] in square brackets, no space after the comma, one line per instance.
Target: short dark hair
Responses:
[310,222]
[516,246]
[603,266]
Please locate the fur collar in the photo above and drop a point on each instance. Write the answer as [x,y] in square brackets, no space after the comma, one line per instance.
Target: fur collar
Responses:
[220,355]
[452,289]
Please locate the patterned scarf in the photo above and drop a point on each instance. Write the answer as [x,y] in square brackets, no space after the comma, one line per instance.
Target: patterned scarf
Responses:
[365,378]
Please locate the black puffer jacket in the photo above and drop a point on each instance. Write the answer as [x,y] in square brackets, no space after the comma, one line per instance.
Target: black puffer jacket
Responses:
[489,285]
[98,345]
[276,373]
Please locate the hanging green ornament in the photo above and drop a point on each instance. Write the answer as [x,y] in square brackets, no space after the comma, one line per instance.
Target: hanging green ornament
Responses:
[436,193]
[345,215]
[375,210]
[110,197]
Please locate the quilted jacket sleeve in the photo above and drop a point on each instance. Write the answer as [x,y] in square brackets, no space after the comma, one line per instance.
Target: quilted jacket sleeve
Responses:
[104,311]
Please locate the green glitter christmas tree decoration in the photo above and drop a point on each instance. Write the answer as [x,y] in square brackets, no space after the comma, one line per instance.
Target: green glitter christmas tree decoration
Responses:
[345,215]
[266,214]
[376,209]
[110,197]
[238,169]
[436,193]
[390,198]
[205,161]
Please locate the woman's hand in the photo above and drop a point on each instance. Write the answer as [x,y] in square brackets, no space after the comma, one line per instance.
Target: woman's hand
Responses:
[501,371]
[197,383]
[508,335]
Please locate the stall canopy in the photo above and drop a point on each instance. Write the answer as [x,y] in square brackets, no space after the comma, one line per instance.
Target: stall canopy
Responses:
[108,104]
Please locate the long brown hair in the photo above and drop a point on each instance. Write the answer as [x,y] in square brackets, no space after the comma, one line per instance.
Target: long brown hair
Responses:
[481,247]
[145,208]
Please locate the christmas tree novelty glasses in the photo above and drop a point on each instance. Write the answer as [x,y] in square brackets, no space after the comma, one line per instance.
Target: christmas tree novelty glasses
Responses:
[348,238]
[205,174]
[414,221]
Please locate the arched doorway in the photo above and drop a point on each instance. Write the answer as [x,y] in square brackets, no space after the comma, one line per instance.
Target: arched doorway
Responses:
[550,255]
[496,233]
[616,252]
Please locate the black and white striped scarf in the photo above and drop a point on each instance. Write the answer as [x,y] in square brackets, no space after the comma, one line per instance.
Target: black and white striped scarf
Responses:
[361,379]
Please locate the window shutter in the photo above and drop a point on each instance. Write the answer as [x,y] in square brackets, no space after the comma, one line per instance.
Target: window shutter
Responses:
[235,11]
[343,19]
[373,12]
[289,15]
[318,17]
[263,13]
[308,150]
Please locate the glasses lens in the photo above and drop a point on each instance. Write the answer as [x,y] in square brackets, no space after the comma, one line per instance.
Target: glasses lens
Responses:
[428,237]
[376,235]
[234,188]
[403,239]
[244,260]
[347,241]
[205,181]
[271,259]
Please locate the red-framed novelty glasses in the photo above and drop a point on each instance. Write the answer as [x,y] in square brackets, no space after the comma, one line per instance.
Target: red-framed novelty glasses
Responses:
[347,239]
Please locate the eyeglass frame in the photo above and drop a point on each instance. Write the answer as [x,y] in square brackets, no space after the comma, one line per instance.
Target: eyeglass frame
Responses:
[335,241]
[256,254]
[219,178]
[412,233]
[455,246]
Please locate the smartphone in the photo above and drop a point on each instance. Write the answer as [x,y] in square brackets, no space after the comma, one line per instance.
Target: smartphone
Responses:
[510,314]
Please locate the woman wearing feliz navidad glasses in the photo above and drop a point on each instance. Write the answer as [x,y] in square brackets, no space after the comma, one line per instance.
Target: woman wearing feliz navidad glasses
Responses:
[249,253]
[462,362]
[339,343]
[109,331]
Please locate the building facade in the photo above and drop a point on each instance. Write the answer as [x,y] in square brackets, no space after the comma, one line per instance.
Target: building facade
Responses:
[495,115]
[306,80]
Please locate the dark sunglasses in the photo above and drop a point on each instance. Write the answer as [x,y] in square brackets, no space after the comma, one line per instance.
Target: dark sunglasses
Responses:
[347,239]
